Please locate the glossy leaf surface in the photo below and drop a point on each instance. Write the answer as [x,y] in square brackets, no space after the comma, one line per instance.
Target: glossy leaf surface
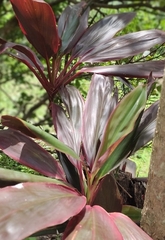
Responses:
[25,151]
[71,25]
[92,223]
[146,130]
[139,70]
[123,46]
[128,228]
[17,176]
[36,132]
[38,23]
[29,207]
[99,35]
[121,123]
[99,104]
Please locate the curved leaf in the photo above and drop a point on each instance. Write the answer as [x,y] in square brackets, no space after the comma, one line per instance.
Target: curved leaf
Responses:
[139,70]
[38,23]
[28,57]
[17,176]
[123,46]
[29,207]
[25,151]
[128,228]
[36,132]
[71,25]
[92,223]
[99,104]
[100,34]
[132,212]
[146,129]
[122,121]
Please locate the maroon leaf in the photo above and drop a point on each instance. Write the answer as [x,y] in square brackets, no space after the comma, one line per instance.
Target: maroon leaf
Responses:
[28,57]
[29,207]
[38,23]
[138,70]
[100,33]
[99,104]
[122,46]
[25,151]
[92,223]
[71,25]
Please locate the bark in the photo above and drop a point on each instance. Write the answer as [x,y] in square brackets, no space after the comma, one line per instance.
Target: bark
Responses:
[153,214]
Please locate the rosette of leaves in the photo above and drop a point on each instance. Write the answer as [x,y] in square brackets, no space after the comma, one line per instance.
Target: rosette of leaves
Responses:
[93,137]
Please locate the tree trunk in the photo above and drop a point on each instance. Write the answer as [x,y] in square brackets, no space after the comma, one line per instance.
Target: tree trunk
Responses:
[153,214]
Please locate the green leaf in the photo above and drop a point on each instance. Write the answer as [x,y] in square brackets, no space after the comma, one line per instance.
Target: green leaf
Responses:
[16,176]
[33,131]
[116,157]
[132,212]
[122,120]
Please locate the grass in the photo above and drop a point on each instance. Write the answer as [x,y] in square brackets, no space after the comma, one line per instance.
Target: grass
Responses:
[142,160]
[8,163]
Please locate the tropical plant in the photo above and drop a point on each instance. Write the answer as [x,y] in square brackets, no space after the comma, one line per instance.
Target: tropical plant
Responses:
[92,136]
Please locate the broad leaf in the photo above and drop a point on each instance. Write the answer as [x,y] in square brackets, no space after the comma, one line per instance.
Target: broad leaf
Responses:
[35,132]
[121,123]
[29,207]
[71,25]
[139,70]
[128,228]
[121,150]
[17,176]
[92,223]
[38,23]
[123,46]
[25,151]
[100,34]
[100,102]
[107,195]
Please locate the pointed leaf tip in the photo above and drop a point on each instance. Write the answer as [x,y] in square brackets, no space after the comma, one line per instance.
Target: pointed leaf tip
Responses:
[38,24]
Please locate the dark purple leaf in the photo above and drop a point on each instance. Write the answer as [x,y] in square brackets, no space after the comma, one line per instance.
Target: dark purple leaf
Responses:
[107,195]
[92,223]
[100,34]
[100,102]
[121,47]
[28,54]
[25,151]
[71,25]
[29,207]
[146,129]
[38,23]
[139,70]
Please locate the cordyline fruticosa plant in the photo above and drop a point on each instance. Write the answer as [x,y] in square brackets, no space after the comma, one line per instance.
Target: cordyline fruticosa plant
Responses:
[93,136]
